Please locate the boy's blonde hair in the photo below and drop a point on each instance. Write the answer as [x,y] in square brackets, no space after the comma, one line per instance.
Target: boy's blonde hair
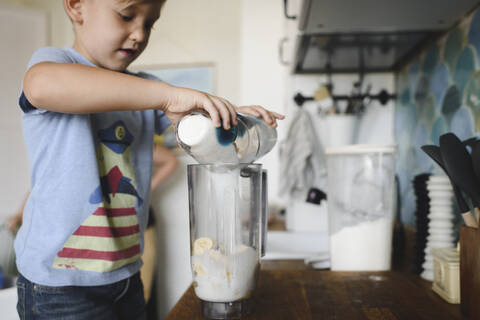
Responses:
[129,2]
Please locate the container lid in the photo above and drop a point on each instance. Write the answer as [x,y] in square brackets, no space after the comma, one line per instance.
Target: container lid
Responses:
[360,149]
[447,254]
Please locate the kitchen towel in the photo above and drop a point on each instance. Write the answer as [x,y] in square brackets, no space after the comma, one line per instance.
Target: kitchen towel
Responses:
[302,158]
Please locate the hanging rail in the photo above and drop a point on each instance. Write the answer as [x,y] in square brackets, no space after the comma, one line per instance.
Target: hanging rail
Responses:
[383,97]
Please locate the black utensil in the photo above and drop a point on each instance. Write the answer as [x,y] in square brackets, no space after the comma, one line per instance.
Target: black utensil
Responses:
[470,142]
[398,230]
[476,159]
[475,154]
[458,163]
[434,153]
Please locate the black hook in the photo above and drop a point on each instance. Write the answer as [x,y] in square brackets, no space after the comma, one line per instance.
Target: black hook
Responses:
[285,10]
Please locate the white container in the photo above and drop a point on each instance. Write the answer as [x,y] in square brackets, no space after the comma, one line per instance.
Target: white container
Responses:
[338,130]
[303,216]
[361,206]
[446,274]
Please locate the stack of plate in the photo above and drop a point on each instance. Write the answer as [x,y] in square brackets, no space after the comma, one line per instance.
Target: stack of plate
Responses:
[421,220]
[441,226]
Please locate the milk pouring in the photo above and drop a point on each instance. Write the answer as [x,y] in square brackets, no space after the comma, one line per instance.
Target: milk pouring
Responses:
[246,142]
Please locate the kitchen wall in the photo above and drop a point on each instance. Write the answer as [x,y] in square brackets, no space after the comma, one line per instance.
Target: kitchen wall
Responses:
[439,91]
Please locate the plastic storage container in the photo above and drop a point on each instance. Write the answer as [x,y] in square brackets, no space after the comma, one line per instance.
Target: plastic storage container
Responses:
[246,142]
[226,226]
[360,206]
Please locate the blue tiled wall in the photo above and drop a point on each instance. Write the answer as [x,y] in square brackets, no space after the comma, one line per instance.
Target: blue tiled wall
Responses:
[438,92]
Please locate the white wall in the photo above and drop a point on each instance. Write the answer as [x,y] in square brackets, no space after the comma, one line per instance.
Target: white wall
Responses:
[263,78]
[30,27]
[191,32]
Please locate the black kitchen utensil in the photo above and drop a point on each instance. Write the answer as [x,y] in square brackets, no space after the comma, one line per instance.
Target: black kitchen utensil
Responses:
[470,142]
[434,152]
[476,159]
[475,154]
[458,163]
[398,249]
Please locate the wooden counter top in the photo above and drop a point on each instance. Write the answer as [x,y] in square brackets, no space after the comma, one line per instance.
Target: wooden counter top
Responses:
[289,290]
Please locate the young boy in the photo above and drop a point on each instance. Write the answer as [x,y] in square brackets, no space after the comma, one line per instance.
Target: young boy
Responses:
[88,126]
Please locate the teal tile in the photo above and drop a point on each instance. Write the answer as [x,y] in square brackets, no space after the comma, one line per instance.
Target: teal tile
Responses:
[439,127]
[421,89]
[413,73]
[471,98]
[405,121]
[451,100]
[430,60]
[422,161]
[404,98]
[453,47]
[474,33]
[401,81]
[462,123]
[427,112]
[464,68]
[439,82]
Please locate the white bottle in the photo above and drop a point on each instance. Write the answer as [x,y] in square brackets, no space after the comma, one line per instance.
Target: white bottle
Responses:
[246,142]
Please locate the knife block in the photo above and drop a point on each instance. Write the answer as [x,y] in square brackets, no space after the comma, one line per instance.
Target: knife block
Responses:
[470,272]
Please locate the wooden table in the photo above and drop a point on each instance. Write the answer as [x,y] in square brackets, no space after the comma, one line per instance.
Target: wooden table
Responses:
[289,290]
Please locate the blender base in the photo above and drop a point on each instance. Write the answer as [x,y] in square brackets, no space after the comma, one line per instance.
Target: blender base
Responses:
[227,310]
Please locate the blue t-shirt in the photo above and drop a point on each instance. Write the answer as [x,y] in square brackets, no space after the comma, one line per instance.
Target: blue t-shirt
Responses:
[83,222]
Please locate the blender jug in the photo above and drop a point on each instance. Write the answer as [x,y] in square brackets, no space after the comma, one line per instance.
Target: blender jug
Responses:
[225,204]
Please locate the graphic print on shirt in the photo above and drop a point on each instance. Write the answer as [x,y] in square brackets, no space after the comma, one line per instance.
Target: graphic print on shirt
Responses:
[110,237]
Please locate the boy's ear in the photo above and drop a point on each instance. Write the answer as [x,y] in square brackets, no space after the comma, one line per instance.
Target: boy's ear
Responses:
[74,10]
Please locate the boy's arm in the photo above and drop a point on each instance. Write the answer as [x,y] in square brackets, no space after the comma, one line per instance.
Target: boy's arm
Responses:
[75,88]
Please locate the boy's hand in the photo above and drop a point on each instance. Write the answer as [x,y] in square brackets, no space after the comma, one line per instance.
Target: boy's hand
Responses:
[269,117]
[183,101]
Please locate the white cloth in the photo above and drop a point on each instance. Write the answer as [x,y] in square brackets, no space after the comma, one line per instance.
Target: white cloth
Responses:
[302,158]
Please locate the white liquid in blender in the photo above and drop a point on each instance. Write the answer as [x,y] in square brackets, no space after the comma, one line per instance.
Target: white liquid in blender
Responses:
[225,278]
[224,268]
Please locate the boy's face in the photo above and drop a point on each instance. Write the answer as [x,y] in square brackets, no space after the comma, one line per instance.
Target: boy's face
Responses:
[114,33]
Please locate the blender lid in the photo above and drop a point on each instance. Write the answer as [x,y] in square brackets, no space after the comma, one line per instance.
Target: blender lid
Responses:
[361,149]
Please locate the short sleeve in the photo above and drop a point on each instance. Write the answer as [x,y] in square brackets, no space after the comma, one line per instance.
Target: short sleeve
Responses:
[161,122]
[47,54]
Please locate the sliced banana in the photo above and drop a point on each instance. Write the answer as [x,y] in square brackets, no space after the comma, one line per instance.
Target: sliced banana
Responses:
[215,255]
[198,269]
[202,244]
